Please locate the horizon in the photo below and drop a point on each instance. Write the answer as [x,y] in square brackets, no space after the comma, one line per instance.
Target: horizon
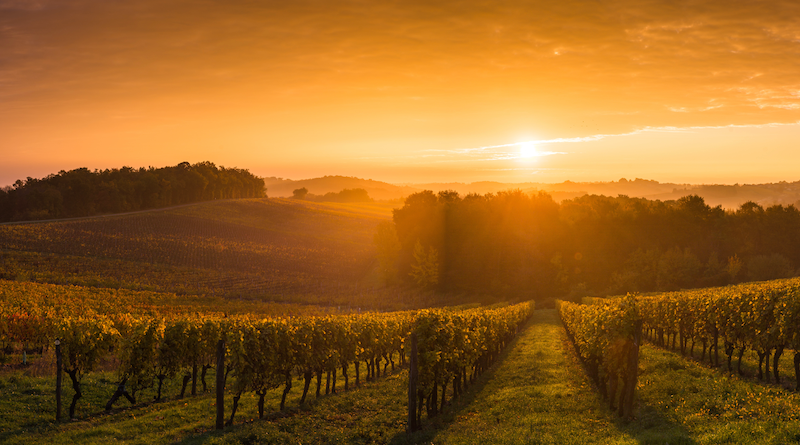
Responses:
[412,93]
[442,182]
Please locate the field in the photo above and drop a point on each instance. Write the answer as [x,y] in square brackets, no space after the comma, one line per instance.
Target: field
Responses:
[277,250]
[288,287]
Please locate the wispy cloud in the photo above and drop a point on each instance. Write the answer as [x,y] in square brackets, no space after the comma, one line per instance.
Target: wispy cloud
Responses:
[503,152]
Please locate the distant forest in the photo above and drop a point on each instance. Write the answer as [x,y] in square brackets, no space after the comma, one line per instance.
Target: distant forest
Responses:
[528,246]
[82,192]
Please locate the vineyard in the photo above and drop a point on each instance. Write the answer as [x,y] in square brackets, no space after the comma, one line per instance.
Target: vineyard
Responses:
[151,354]
[245,353]
[760,317]
[252,321]
[267,249]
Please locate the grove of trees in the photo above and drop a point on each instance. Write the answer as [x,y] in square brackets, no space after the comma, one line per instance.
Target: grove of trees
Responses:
[82,192]
[529,246]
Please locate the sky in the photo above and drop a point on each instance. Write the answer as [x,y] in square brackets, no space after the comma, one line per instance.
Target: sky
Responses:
[405,91]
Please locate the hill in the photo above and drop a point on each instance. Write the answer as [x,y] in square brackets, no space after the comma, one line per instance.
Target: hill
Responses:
[727,196]
[331,184]
[269,249]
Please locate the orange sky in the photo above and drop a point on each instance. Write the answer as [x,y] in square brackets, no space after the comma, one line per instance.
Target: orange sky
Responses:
[405,91]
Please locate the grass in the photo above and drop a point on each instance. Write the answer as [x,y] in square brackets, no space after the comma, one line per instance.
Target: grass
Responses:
[749,364]
[372,412]
[713,407]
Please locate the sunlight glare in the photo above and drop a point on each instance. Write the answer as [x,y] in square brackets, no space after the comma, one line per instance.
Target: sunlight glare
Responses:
[527,149]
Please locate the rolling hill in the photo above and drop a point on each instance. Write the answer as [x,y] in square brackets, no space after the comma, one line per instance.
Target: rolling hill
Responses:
[268,249]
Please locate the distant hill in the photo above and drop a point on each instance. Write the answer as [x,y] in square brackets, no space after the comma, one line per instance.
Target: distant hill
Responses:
[733,196]
[278,187]
[727,196]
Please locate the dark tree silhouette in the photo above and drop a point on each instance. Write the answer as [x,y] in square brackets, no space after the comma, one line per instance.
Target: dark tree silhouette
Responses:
[82,192]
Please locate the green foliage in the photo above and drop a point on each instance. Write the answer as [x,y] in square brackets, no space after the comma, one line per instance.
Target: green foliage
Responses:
[764,317]
[425,269]
[84,340]
[640,273]
[138,351]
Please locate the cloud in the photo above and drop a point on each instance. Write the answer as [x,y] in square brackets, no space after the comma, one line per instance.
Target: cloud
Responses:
[510,152]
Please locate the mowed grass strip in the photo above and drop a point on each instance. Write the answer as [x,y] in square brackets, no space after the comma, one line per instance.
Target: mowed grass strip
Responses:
[538,394]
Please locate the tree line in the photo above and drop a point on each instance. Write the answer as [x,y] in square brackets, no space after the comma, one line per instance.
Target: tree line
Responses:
[527,245]
[346,195]
[82,192]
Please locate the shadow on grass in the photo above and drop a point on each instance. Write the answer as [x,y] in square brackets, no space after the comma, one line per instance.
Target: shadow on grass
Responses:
[457,407]
[649,426]
[788,380]
[275,425]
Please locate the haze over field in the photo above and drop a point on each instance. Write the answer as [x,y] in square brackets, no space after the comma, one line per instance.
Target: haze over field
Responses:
[405,92]
[727,196]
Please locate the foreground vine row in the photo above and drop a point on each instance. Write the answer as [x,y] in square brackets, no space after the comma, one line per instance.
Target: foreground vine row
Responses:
[456,347]
[262,354]
[763,317]
[607,338]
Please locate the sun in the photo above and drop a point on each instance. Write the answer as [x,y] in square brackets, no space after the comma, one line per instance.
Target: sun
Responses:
[527,149]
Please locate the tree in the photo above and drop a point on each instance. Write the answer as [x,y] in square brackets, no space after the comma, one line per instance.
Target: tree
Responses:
[734,267]
[388,250]
[678,269]
[300,193]
[425,269]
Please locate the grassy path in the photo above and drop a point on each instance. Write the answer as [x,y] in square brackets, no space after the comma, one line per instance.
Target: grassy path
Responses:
[537,395]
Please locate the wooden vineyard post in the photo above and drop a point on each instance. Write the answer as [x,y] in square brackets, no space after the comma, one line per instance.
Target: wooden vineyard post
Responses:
[413,375]
[58,379]
[633,371]
[220,384]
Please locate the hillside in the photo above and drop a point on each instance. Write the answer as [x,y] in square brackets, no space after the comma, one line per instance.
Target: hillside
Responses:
[270,249]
